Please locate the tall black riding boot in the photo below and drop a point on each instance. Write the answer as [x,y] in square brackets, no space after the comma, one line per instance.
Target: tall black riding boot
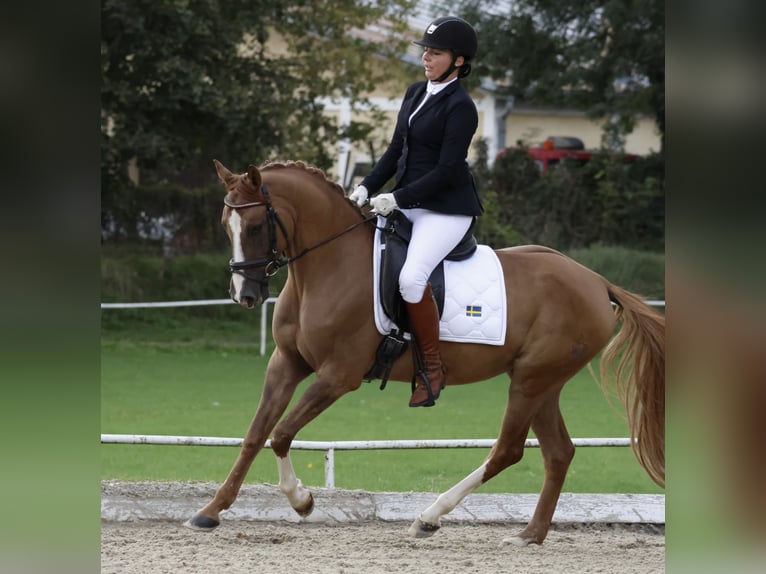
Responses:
[424,322]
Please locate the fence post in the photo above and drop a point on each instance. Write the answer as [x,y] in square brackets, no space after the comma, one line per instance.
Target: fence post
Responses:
[329,468]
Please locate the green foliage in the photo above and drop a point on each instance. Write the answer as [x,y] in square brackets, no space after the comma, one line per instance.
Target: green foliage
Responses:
[493,227]
[639,271]
[185,82]
[172,218]
[513,186]
[574,205]
[632,200]
[603,56]
[130,275]
[144,278]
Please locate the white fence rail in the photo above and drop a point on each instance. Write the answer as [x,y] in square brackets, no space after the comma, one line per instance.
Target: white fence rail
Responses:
[329,447]
[264,312]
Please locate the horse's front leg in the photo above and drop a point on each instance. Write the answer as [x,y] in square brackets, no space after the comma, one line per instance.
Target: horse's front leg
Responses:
[322,393]
[282,377]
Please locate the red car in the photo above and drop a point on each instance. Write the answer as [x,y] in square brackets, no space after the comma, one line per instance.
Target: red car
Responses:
[556,148]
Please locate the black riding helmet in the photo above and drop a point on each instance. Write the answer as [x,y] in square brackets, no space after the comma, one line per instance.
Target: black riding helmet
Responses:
[453,34]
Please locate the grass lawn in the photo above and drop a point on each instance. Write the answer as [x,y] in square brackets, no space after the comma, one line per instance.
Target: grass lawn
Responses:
[204,378]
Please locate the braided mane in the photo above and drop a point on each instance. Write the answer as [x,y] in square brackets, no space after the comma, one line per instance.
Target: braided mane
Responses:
[313,170]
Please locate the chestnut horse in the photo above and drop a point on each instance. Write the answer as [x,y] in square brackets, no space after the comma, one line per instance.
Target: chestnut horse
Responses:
[560,316]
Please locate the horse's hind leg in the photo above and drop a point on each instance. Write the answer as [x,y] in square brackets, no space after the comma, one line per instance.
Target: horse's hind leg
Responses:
[282,378]
[557,451]
[508,450]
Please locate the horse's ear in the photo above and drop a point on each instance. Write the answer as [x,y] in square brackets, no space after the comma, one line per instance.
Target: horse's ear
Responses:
[254,175]
[223,174]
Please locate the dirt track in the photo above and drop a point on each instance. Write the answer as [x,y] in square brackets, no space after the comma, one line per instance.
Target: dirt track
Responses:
[147,547]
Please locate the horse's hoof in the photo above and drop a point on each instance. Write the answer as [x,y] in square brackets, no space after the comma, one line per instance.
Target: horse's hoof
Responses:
[517,541]
[420,529]
[306,509]
[202,523]
[523,539]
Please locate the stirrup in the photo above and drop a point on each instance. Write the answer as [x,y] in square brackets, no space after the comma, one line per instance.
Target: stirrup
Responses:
[431,396]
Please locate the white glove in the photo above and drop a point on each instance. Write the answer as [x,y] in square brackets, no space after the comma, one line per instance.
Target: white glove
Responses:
[359,195]
[383,204]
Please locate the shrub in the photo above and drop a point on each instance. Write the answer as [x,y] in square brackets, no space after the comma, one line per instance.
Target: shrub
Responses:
[574,205]
[639,271]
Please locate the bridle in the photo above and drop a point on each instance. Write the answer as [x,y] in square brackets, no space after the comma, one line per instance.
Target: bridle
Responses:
[273,261]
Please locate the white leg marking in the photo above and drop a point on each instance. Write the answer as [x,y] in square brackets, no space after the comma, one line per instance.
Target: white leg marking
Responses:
[290,485]
[447,501]
[238,254]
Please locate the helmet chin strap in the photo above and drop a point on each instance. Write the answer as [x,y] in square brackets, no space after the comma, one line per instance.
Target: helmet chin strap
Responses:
[448,72]
[465,69]
[451,69]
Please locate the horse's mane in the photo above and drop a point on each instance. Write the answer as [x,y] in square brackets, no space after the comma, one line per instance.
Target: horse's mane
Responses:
[313,170]
[310,169]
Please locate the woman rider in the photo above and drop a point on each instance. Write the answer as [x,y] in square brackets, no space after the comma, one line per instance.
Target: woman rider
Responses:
[434,188]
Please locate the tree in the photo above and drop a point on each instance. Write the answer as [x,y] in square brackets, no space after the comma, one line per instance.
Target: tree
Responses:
[494,226]
[184,81]
[576,205]
[606,57]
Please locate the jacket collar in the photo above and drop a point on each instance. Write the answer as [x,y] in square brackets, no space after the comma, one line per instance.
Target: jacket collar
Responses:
[421,92]
[438,88]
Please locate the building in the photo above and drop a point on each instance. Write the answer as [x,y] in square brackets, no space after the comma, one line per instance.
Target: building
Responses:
[502,123]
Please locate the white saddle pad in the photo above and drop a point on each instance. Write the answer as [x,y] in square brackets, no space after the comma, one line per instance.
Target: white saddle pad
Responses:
[475,303]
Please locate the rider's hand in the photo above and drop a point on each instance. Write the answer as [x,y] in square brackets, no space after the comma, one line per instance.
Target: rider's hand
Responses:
[383,204]
[359,195]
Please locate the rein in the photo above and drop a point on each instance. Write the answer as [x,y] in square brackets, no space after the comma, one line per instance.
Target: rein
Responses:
[274,261]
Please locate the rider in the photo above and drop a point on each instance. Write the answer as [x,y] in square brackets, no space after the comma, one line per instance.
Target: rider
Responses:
[434,188]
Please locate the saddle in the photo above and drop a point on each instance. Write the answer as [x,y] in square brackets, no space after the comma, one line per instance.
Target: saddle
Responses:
[395,236]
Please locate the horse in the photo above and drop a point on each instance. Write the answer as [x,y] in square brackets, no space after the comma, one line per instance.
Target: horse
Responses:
[559,317]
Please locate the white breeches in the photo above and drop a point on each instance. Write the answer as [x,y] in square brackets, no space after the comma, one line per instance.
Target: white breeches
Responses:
[434,235]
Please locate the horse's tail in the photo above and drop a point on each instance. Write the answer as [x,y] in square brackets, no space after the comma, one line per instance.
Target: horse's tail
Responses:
[633,363]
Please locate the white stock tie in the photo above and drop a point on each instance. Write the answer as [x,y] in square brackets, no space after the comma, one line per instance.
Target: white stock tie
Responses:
[429,90]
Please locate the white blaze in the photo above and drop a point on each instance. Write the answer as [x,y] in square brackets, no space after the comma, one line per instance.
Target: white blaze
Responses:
[238,254]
